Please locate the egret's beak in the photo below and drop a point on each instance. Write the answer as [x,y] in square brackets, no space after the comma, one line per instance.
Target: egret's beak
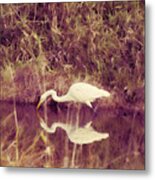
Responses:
[39,104]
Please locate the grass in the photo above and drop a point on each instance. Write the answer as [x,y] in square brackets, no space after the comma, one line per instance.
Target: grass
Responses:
[52,45]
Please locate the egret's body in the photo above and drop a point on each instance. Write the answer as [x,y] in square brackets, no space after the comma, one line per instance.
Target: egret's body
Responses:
[78,92]
[81,135]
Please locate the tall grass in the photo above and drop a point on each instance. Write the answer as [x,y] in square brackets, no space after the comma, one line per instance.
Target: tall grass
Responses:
[98,42]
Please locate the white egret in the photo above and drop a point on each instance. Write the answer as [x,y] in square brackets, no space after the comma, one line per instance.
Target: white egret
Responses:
[81,135]
[78,92]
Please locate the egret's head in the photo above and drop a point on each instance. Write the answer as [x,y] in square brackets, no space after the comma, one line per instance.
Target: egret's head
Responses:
[40,102]
[45,95]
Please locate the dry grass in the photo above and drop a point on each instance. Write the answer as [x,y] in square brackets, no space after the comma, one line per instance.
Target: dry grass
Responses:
[53,45]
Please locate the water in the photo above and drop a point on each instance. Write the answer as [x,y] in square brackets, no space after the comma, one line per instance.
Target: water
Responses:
[123,150]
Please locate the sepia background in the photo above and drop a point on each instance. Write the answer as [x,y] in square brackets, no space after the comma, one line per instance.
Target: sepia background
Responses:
[53,45]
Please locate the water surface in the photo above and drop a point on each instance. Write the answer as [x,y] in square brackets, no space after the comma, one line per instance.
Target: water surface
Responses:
[123,150]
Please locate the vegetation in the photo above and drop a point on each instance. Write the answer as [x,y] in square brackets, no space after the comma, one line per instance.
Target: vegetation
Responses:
[52,45]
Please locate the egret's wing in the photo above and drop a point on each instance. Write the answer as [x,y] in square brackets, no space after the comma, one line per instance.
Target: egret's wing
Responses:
[89,104]
[84,92]
[88,125]
[87,136]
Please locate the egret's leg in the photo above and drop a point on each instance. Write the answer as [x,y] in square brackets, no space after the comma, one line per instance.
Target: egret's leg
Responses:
[78,115]
[79,155]
[66,158]
[58,109]
[73,160]
[76,155]
[68,113]
[73,156]
[95,111]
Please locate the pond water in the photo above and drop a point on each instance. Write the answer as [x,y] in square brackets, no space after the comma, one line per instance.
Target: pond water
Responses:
[124,149]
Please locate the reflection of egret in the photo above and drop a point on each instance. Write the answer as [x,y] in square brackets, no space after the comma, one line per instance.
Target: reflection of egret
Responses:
[78,92]
[81,135]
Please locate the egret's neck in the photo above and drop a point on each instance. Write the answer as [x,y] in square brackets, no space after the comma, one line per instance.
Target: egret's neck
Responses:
[63,98]
[49,93]
[66,127]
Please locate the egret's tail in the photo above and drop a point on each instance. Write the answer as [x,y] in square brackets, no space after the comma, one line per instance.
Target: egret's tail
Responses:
[105,135]
[105,93]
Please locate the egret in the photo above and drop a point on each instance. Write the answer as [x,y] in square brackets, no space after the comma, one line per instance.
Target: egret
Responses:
[80,135]
[78,92]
